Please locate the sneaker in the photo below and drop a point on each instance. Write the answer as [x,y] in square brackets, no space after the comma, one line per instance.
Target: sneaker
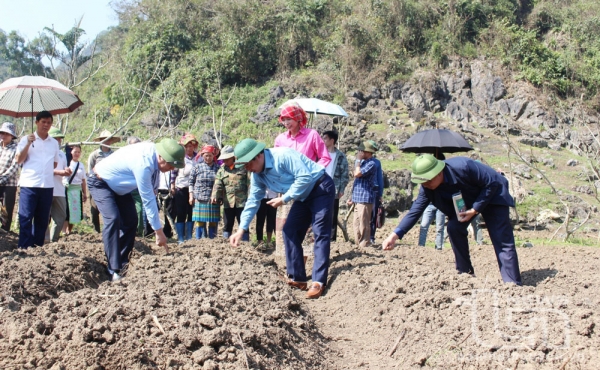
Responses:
[116,277]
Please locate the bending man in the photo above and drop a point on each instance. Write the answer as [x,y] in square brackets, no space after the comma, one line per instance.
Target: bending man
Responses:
[483,190]
[286,171]
[134,167]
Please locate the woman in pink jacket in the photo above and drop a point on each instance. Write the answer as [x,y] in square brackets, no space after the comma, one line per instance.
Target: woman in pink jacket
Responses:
[306,141]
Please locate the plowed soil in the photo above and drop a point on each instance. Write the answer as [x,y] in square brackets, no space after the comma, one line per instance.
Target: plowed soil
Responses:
[206,305]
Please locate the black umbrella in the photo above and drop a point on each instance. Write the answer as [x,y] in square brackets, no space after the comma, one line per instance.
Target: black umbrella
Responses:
[436,141]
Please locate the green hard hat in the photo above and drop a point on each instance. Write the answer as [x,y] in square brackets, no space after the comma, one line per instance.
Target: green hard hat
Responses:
[425,167]
[172,152]
[246,150]
[56,133]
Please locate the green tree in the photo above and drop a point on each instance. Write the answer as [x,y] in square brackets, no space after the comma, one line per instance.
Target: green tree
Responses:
[17,58]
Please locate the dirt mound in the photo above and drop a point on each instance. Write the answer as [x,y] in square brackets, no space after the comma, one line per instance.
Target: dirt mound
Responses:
[29,277]
[206,305]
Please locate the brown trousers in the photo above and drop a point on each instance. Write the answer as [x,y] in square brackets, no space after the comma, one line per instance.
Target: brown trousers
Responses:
[362,223]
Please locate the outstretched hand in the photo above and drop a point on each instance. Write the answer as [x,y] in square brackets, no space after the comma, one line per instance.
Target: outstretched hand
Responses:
[161,239]
[390,242]
[235,238]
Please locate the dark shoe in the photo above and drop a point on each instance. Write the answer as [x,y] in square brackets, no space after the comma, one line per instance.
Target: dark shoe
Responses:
[297,284]
[315,291]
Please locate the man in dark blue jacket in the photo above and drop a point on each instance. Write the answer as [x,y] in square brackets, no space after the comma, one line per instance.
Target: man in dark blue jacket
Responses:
[483,190]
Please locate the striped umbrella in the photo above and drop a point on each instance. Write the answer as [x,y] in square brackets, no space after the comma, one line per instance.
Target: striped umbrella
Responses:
[28,95]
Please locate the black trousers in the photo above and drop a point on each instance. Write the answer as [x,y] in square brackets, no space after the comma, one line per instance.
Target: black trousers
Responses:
[231,214]
[8,194]
[165,203]
[268,213]
[95,214]
[334,225]
[181,205]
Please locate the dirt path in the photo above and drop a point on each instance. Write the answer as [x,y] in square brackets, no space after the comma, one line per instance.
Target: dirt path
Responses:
[407,308]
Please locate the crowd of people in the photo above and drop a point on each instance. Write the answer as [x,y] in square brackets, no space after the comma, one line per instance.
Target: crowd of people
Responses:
[294,188]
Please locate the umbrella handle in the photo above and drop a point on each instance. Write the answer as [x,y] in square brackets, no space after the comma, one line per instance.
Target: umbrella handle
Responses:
[31,101]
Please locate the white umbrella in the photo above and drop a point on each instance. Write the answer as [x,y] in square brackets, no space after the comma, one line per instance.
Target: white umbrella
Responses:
[317,106]
[28,95]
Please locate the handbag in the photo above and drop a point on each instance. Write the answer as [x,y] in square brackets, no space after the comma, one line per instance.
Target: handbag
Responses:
[380,216]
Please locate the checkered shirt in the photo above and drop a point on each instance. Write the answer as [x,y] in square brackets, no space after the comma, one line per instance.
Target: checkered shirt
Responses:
[362,190]
[8,164]
[202,180]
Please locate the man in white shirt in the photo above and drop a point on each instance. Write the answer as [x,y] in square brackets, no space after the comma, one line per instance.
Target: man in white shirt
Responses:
[38,153]
[58,210]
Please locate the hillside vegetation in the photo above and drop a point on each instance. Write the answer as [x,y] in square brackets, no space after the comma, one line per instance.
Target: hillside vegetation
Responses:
[174,53]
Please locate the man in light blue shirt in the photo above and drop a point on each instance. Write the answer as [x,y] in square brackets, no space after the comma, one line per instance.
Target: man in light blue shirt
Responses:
[286,171]
[111,182]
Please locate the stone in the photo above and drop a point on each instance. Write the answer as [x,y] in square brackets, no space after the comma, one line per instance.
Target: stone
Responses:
[278,93]
[583,189]
[548,162]
[572,162]
[354,104]
[516,107]
[536,142]
[457,112]
[486,89]
[374,94]
[501,106]
[356,95]
[547,215]
[417,114]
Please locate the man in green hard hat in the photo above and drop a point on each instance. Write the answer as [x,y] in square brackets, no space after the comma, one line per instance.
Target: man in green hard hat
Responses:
[462,188]
[111,183]
[286,171]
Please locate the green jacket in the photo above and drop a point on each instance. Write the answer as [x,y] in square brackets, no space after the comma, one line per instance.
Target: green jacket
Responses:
[231,187]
